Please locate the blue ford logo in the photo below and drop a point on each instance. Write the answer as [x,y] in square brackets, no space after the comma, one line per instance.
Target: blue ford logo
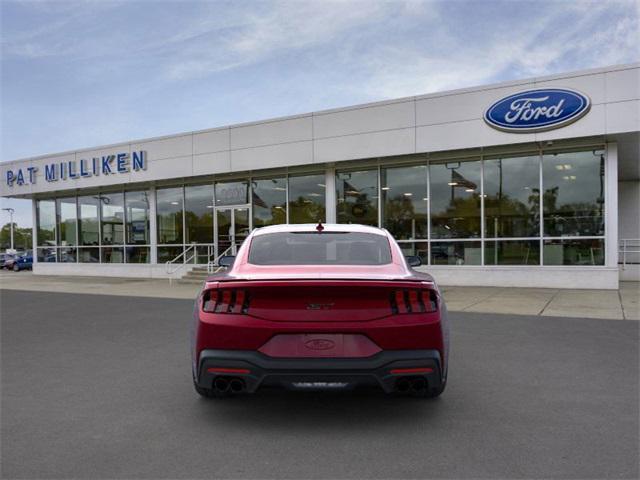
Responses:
[537,110]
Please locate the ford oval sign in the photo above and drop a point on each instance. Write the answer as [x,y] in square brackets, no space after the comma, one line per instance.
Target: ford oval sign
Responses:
[537,110]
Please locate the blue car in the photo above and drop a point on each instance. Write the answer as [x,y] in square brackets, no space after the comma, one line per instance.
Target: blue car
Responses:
[23,262]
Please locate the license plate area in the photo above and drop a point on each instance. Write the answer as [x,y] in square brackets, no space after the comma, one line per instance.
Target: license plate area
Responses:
[320,385]
[319,345]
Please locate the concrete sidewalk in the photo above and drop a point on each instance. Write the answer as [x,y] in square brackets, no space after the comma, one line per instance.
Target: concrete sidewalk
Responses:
[623,304]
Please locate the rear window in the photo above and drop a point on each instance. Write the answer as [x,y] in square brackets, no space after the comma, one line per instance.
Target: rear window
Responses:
[330,248]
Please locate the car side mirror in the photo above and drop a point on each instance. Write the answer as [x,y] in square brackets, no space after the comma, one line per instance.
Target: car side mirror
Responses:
[226,261]
[414,261]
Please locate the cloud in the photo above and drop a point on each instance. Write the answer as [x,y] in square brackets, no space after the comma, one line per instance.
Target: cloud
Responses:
[525,48]
[52,27]
[287,26]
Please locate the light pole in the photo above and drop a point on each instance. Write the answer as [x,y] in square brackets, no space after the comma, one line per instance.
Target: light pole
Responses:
[11,212]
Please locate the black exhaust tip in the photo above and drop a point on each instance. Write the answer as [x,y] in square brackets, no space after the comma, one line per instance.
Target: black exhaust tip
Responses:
[221,384]
[236,385]
[419,385]
[403,385]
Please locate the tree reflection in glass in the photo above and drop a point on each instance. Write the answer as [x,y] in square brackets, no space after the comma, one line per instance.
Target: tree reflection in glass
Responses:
[573,199]
[307,198]
[169,215]
[512,197]
[269,199]
[357,196]
[46,218]
[455,199]
[198,213]
[405,201]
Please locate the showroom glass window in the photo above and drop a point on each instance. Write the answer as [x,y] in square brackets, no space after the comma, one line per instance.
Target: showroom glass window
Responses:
[269,200]
[67,229]
[112,227]
[456,253]
[137,236]
[112,218]
[88,229]
[573,196]
[198,213]
[512,252]
[573,207]
[169,208]
[67,221]
[46,230]
[455,199]
[307,198]
[169,205]
[512,196]
[46,222]
[357,197]
[405,202]
[232,193]
[137,218]
[574,251]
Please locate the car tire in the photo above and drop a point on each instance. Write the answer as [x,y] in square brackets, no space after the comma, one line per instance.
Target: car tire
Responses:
[16,268]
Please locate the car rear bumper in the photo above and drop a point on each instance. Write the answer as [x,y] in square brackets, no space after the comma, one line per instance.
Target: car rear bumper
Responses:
[257,370]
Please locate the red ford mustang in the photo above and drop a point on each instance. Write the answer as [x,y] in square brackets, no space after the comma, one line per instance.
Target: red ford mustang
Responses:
[320,307]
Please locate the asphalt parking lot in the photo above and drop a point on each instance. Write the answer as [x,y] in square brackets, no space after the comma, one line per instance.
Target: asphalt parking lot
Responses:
[98,386]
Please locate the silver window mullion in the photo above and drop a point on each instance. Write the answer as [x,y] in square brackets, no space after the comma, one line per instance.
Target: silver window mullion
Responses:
[428,211]
[250,200]
[286,211]
[541,201]
[124,226]
[77,230]
[184,224]
[379,196]
[215,223]
[99,213]
[482,219]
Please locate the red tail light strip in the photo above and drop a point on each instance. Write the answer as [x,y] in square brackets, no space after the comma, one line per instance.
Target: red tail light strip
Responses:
[237,371]
[225,301]
[223,306]
[239,301]
[413,301]
[405,371]
[400,303]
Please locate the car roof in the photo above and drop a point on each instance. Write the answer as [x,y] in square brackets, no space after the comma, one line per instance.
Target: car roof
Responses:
[328,227]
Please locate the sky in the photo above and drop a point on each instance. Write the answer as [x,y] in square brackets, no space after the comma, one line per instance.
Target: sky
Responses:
[87,73]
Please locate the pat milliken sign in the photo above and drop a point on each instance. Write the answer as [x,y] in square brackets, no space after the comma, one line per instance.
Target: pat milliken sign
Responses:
[115,164]
[537,110]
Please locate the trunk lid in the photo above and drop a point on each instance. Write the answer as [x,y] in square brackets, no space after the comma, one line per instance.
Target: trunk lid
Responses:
[320,300]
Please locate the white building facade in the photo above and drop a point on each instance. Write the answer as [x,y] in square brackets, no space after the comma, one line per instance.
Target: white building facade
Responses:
[528,183]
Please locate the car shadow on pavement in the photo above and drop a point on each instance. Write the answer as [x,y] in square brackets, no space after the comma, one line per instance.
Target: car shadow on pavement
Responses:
[280,408]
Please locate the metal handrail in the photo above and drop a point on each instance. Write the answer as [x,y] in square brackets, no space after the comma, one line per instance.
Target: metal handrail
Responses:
[624,248]
[185,260]
[212,264]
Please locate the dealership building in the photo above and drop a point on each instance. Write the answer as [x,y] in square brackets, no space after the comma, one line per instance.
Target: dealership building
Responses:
[530,183]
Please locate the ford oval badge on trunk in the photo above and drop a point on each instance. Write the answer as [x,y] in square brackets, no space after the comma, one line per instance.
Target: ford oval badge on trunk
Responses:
[537,110]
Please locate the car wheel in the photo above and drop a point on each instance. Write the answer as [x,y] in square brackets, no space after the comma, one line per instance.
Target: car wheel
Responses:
[16,268]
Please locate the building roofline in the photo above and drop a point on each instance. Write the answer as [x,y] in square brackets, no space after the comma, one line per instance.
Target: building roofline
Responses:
[444,93]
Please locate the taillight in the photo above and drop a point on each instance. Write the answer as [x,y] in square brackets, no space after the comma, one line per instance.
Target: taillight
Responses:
[230,300]
[413,301]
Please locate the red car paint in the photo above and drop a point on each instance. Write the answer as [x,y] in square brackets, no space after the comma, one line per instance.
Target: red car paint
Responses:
[320,311]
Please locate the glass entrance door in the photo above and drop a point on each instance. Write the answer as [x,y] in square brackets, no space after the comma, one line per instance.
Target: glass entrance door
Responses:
[232,227]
